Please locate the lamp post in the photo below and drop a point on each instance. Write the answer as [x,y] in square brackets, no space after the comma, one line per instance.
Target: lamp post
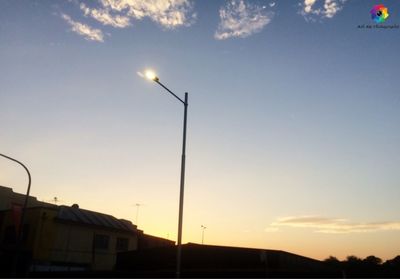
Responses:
[152,76]
[21,224]
[137,214]
[202,233]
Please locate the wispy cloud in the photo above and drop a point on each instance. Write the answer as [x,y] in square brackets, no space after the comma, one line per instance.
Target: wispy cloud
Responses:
[121,13]
[240,19]
[312,9]
[104,16]
[332,225]
[89,33]
[169,14]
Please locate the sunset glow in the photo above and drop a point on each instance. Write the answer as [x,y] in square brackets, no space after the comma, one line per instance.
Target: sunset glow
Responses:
[293,139]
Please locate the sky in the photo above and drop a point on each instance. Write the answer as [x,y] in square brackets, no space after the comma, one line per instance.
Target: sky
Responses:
[293,117]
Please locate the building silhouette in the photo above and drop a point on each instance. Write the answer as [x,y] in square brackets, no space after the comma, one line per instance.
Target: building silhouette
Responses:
[66,238]
[202,261]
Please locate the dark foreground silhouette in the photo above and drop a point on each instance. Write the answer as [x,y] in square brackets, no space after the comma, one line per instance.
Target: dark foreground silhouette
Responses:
[224,262]
[371,266]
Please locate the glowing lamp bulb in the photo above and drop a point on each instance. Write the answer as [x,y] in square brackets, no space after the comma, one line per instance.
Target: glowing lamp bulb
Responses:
[151,75]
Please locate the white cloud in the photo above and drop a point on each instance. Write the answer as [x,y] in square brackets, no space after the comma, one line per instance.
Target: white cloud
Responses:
[89,33]
[120,13]
[240,19]
[331,8]
[170,14]
[333,225]
[104,16]
[320,8]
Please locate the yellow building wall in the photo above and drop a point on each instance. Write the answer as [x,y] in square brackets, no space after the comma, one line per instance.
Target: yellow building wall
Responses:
[46,232]
[55,242]
[74,244]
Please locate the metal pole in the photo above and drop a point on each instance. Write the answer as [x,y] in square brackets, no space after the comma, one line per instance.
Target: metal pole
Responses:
[182,186]
[179,247]
[202,234]
[137,214]
[21,224]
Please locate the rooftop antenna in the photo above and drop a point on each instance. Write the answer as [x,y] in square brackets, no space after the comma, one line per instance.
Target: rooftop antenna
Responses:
[55,200]
[202,233]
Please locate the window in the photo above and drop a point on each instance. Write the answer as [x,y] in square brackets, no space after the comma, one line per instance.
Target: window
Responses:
[122,244]
[101,241]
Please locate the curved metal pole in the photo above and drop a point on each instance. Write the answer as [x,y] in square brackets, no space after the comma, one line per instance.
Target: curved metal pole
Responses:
[157,80]
[182,182]
[21,224]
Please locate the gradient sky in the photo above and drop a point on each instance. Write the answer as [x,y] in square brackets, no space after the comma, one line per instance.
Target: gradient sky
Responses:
[293,126]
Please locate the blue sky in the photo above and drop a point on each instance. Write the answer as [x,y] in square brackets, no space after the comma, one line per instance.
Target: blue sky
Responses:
[293,117]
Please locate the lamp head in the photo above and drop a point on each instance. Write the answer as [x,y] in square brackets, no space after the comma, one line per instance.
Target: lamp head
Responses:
[151,75]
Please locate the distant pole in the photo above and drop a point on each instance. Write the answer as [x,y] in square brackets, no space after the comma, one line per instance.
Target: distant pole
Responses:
[137,214]
[202,233]
[21,224]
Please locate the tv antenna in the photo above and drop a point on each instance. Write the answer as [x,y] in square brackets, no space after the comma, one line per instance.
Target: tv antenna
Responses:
[54,200]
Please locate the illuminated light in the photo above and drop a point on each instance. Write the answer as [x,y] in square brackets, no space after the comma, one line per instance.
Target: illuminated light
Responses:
[151,75]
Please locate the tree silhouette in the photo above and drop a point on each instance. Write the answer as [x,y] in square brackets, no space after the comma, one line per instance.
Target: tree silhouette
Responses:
[353,259]
[392,267]
[333,261]
[371,266]
[372,260]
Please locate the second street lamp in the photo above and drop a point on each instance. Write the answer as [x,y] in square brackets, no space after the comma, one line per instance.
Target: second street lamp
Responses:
[202,233]
[21,221]
[152,76]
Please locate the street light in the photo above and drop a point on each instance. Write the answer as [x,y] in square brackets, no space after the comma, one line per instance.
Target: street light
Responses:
[152,76]
[202,233]
[137,214]
[21,224]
